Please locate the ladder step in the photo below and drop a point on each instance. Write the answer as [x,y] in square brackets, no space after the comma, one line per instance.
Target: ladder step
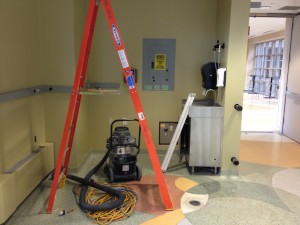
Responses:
[62,178]
[62,172]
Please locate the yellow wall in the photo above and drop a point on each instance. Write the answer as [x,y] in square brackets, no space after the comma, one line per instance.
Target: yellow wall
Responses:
[20,119]
[192,23]
[59,46]
[19,55]
[233,29]
[41,43]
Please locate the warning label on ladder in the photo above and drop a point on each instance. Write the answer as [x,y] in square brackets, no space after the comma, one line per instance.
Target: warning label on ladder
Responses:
[160,62]
[123,58]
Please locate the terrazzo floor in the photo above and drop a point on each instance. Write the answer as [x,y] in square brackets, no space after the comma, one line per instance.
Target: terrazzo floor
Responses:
[259,113]
[266,192]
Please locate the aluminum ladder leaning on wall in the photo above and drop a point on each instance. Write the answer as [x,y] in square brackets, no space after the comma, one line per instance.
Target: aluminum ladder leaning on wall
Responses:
[177,132]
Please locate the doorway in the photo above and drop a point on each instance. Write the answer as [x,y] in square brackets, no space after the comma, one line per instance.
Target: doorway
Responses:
[264,76]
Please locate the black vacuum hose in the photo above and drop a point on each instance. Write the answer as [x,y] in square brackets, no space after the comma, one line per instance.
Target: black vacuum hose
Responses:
[87,182]
[108,190]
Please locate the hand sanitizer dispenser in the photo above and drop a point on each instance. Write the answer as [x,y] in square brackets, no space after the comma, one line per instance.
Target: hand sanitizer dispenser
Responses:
[221,73]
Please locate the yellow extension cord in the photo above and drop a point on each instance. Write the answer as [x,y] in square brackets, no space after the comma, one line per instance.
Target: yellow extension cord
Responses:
[97,197]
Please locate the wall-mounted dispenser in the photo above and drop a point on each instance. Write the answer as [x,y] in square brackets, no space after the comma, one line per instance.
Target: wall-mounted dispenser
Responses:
[221,77]
[209,76]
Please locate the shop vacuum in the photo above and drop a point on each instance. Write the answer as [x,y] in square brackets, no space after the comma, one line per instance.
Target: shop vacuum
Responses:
[120,159]
[123,150]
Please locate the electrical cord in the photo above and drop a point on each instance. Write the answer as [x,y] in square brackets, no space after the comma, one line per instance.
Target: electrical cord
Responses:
[97,197]
[116,214]
[103,203]
[86,206]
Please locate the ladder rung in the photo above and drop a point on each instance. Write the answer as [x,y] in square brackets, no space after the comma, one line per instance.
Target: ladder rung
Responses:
[72,126]
[66,150]
[62,178]
[62,172]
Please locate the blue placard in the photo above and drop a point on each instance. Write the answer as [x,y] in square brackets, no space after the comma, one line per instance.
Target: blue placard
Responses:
[130,82]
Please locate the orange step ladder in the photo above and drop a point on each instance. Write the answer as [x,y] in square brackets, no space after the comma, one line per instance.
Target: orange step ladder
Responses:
[61,168]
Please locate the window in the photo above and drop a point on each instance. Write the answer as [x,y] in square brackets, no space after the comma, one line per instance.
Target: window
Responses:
[268,64]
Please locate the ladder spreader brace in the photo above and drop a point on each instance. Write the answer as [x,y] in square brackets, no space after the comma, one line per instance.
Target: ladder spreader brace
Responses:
[74,105]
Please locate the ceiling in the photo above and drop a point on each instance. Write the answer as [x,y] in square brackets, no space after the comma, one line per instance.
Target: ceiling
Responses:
[259,26]
[268,16]
[290,7]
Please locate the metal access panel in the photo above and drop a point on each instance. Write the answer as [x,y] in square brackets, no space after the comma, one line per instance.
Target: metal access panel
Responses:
[166,132]
[159,64]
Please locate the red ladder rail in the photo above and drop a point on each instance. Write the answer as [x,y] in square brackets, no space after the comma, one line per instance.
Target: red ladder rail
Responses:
[119,45]
[74,105]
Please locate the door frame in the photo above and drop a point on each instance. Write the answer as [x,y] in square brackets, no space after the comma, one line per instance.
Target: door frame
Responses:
[284,73]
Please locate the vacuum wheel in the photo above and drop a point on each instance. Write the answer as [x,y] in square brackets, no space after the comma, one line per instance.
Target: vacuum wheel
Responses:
[110,174]
[138,173]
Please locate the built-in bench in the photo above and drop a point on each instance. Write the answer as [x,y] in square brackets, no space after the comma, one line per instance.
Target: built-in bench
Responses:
[20,180]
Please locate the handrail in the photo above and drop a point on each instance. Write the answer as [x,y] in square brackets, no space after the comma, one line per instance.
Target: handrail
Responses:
[26,92]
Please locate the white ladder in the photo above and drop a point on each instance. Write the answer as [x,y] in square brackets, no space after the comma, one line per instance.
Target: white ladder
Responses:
[177,132]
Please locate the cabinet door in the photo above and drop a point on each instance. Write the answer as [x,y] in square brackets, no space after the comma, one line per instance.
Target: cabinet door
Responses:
[205,142]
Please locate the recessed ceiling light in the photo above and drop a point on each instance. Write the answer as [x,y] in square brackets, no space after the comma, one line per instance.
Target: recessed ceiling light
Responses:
[290,8]
[255,5]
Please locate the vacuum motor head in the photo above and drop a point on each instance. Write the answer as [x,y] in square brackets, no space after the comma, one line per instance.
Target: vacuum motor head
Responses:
[121,142]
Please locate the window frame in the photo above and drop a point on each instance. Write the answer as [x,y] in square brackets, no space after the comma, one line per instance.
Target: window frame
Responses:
[267,66]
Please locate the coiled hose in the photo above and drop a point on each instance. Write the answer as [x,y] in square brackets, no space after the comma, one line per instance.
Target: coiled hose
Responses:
[87,182]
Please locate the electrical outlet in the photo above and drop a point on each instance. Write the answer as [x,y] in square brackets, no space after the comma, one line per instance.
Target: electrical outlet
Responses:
[166,132]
